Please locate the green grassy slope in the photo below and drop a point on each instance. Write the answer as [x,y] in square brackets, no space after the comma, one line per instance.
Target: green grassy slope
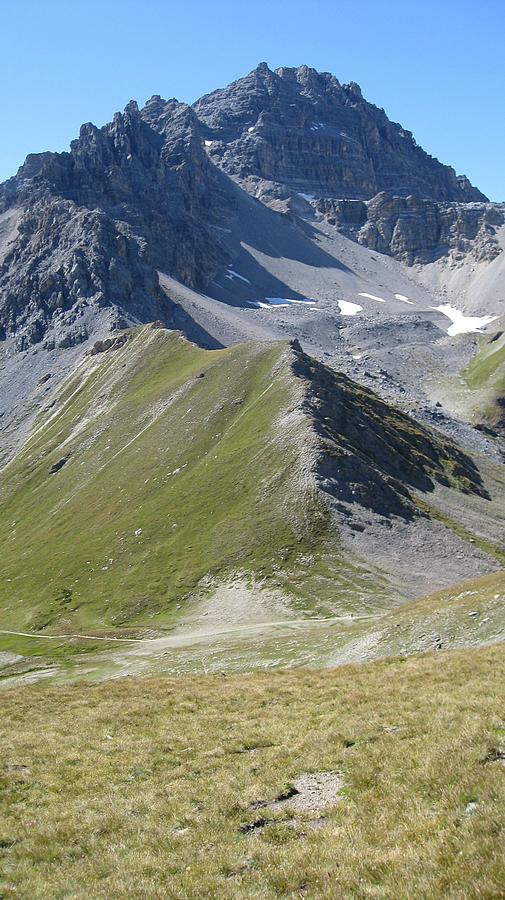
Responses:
[161,471]
[181,463]
[467,614]
[140,787]
[485,376]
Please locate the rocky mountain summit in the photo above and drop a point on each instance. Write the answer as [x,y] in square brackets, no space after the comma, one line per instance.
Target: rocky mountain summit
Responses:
[157,189]
[301,130]
[90,227]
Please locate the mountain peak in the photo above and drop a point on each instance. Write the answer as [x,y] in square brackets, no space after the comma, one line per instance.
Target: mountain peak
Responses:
[132,107]
[301,130]
[354,88]
[155,191]
[262,69]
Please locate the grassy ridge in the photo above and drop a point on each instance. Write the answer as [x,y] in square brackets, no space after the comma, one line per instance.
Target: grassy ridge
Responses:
[136,516]
[180,468]
[180,464]
[138,788]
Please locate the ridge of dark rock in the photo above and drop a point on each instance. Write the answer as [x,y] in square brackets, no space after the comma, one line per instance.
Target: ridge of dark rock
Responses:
[94,224]
[417,229]
[371,453]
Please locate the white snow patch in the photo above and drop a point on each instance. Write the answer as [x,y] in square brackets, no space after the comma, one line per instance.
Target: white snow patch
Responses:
[282,301]
[349,309]
[462,324]
[307,196]
[208,143]
[357,355]
[232,274]
[372,297]
[251,129]
[404,299]
[317,125]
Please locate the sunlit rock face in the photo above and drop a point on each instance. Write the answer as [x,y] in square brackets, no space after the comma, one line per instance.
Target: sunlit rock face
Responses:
[157,189]
[418,229]
[304,131]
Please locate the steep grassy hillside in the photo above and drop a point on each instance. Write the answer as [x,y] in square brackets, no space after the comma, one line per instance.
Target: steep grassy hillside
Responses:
[486,377]
[160,788]
[162,471]
[161,465]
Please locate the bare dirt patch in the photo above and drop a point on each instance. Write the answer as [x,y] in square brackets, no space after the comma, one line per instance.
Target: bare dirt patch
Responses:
[312,792]
[240,599]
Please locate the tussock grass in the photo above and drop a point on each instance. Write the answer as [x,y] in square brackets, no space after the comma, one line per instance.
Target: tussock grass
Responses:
[138,787]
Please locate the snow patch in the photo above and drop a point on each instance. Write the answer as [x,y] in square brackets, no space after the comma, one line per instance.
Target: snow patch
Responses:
[268,302]
[349,309]
[462,324]
[250,129]
[208,143]
[306,196]
[404,299]
[372,297]
[232,274]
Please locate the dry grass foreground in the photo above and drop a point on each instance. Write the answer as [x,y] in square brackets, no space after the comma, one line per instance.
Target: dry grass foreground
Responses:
[143,787]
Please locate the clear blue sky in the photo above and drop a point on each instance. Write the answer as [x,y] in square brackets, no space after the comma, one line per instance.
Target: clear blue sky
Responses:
[436,67]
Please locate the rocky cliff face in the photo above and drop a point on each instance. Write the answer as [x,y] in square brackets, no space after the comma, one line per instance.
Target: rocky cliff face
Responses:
[156,189]
[301,130]
[89,228]
[417,229]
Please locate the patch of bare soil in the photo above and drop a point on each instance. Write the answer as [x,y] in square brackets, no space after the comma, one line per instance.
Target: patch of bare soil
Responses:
[312,792]
[238,600]
[8,659]
[496,755]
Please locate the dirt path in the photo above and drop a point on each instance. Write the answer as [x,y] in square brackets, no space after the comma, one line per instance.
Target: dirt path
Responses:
[188,637]
[135,656]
